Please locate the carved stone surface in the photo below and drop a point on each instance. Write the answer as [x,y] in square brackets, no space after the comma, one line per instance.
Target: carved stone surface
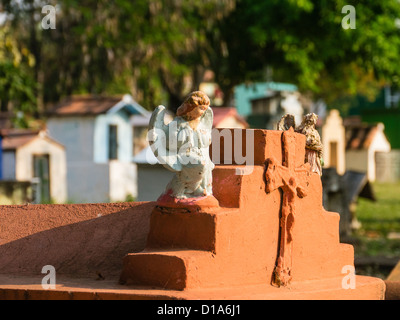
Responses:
[226,253]
[182,146]
[293,182]
[313,142]
[286,122]
[313,139]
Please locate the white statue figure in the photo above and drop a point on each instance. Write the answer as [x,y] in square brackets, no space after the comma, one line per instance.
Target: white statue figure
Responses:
[182,146]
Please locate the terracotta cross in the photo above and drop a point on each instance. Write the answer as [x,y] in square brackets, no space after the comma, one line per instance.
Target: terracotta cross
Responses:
[293,182]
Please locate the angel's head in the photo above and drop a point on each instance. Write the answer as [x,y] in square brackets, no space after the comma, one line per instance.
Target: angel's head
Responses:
[194,106]
[310,119]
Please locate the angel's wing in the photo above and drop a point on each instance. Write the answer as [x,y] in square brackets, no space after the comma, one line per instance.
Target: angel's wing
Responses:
[208,118]
[157,137]
[287,121]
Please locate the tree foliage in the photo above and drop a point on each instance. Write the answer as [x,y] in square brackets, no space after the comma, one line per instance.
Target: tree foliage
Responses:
[158,50]
[304,43]
[16,81]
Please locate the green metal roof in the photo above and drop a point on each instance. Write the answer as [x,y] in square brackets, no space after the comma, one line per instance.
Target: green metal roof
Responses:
[244,93]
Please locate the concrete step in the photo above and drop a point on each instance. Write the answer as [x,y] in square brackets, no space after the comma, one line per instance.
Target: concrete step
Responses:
[165,269]
[196,231]
[72,288]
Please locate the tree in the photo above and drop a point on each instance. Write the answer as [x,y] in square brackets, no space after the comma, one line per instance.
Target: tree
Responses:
[16,80]
[305,44]
[158,50]
[153,49]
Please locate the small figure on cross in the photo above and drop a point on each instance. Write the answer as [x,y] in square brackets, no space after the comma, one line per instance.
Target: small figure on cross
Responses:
[286,122]
[313,139]
[313,142]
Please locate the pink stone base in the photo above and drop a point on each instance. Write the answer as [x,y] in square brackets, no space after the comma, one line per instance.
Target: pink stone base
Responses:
[25,288]
[191,204]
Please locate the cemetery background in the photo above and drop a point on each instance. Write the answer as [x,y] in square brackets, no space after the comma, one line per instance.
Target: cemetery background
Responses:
[272,45]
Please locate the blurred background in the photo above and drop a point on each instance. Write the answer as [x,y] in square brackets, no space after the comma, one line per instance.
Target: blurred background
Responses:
[79,79]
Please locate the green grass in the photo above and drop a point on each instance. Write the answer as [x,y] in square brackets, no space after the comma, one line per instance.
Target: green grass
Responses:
[382,216]
[379,221]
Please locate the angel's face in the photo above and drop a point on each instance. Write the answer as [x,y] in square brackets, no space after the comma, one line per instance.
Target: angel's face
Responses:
[311,119]
[194,113]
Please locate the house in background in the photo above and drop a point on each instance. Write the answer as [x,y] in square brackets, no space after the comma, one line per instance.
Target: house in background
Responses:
[263,104]
[228,117]
[364,143]
[268,110]
[140,124]
[98,136]
[34,157]
[333,136]
[385,108]
[244,93]
[152,177]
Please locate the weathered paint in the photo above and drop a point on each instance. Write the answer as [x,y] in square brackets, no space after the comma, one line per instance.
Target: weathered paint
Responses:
[187,153]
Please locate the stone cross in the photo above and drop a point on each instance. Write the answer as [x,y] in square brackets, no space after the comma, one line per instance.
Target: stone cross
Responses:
[293,182]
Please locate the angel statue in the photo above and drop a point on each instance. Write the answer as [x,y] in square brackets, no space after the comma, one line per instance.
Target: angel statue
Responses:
[182,146]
